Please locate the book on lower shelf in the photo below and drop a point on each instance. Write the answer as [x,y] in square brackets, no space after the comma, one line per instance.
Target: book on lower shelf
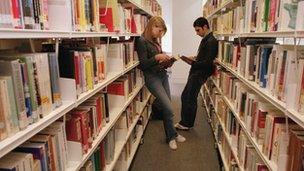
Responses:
[265,126]
[275,69]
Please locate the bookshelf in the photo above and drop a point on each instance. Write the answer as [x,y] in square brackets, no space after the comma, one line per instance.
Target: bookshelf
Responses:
[121,144]
[146,8]
[34,34]
[270,164]
[291,113]
[258,20]
[278,34]
[136,144]
[226,167]
[227,137]
[227,5]
[12,142]
[112,76]
[115,113]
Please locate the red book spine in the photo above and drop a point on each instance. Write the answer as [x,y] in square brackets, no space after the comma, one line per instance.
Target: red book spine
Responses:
[86,141]
[116,88]
[73,129]
[99,114]
[16,14]
[106,17]
[76,69]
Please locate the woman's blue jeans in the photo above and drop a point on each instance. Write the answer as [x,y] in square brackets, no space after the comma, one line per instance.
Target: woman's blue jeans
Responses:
[158,85]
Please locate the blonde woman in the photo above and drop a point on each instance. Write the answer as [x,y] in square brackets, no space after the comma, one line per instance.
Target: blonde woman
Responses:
[153,63]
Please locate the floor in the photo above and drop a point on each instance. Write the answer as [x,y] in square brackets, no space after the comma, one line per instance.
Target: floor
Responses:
[196,154]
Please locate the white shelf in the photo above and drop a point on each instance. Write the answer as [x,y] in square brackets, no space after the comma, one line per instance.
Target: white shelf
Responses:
[10,143]
[229,4]
[278,34]
[233,150]
[28,34]
[209,117]
[209,94]
[140,8]
[98,87]
[291,113]
[223,158]
[136,144]
[114,115]
[271,165]
[120,146]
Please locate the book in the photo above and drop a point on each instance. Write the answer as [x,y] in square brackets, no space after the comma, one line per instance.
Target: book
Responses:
[12,68]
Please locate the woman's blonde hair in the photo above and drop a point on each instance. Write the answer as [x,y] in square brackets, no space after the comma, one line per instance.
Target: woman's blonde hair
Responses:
[154,21]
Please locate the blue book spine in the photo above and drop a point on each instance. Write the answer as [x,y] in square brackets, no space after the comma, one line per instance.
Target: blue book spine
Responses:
[264,66]
[27,96]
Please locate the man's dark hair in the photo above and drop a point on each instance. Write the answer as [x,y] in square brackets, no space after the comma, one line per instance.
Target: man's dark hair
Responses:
[200,22]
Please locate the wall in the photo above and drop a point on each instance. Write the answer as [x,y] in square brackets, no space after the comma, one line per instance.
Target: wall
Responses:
[167,16]
[184,39]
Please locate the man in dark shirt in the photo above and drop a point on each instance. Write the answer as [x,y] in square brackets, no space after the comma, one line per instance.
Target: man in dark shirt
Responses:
[202,67]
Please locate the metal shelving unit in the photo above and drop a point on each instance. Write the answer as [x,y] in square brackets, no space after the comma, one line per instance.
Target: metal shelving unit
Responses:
[271,165]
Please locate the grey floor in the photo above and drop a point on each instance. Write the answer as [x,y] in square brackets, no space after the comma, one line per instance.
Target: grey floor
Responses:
[196,154]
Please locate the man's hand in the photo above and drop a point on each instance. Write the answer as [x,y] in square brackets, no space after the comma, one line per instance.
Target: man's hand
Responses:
[188,60]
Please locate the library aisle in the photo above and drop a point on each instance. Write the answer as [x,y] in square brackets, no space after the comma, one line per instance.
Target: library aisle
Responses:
[197,153]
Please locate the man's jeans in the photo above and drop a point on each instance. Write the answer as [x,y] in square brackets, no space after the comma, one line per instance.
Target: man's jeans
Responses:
[189,98]
[158,85]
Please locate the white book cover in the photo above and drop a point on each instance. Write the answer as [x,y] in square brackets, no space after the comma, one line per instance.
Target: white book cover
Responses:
[10,109]
[300,18]
[115,57]
[44,81]
[12,68]
[290,84]
[288,15]
[60,9]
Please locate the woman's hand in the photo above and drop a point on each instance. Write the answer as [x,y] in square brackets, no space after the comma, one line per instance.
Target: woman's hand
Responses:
[160,58]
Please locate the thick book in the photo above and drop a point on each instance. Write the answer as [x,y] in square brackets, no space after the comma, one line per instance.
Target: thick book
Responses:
[38,150]
[12,68]
[9,109]
[54,76]
[47,139]
[32,86]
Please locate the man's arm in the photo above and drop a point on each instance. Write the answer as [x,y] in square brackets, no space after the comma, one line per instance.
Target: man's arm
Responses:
[188,60]
[209,55]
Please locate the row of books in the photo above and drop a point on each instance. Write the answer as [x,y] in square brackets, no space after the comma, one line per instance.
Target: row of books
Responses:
[44,151]
[212,5]
[261,16]
[30,82]
[132,143]
[267,126]
[104,155]
[276,68]
[29,89]
[88,65]
[89,118]
[150,5]
[76,15]
[233,149]
[81,127]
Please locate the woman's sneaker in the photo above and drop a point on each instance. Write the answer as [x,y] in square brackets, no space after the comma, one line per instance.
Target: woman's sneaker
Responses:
[172,144]
[180,138]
